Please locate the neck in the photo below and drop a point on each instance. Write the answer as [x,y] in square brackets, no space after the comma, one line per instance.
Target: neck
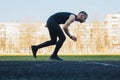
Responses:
[76,18]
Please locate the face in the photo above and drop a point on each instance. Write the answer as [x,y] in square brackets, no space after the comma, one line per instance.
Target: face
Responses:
[82,17]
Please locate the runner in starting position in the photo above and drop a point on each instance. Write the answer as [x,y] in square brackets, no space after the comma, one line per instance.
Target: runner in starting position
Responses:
[53,25]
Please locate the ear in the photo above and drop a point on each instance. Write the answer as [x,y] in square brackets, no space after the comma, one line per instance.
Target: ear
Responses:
[80,14]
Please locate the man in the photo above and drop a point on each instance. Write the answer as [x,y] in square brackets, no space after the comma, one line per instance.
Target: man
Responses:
[53,25]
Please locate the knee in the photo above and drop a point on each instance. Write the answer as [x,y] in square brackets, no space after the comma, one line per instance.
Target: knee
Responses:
[63,39]
[53,42]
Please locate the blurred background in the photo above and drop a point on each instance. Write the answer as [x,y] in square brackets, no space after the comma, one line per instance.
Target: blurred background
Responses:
[22,25]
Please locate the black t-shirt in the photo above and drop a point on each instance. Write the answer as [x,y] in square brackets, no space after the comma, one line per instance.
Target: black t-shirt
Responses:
[61,17]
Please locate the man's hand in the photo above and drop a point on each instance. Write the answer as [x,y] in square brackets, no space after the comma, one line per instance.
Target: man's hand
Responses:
[73,38]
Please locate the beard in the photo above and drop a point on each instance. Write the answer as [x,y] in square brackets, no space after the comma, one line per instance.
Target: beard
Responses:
[81,21]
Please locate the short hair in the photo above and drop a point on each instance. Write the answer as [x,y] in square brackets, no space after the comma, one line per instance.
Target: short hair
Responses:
[83,12]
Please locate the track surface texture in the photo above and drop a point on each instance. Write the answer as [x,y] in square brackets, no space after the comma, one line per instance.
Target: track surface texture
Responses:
[59,70]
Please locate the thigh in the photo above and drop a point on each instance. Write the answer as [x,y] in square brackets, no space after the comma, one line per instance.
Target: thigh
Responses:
[59,32]
[52,33]
[54,29]
[53,36]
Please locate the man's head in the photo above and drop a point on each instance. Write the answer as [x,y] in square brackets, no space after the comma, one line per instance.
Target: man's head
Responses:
[82,16]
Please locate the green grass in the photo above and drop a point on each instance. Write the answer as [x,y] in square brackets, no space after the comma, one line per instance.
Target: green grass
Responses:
[68,58]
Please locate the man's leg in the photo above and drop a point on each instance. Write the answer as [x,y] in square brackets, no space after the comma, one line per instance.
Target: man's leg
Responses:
[53,41]
[59,43]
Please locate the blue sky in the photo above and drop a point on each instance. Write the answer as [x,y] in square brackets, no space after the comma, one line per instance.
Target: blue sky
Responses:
[40,10]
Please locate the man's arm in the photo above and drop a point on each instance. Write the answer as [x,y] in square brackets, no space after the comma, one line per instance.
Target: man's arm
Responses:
[67,24]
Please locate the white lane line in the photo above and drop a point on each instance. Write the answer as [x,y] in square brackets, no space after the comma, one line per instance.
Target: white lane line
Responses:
[104,64]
